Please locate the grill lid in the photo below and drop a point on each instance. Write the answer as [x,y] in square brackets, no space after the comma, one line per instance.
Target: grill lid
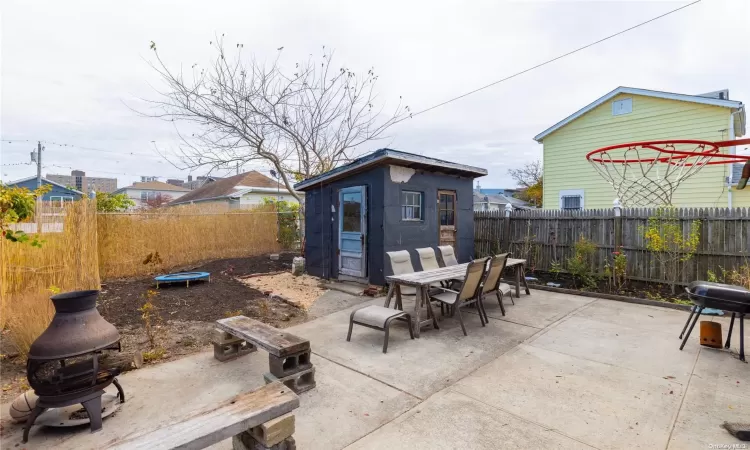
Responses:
[76,328]
[719,291]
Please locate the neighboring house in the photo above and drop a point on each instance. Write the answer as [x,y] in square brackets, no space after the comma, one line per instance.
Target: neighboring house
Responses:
[79,181]
[143,192]
[489,202]
[58,193]
[245,190]
[630,115]
[198,182]
[497,191]
[386,201]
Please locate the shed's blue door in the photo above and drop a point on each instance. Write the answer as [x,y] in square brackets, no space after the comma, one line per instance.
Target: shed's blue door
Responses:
[353,231]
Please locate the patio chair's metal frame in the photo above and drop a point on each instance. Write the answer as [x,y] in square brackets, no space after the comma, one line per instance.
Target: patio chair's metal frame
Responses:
[496,287]
[475,298]
[386,327]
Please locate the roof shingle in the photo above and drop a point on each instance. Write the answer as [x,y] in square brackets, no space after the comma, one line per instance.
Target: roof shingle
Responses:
[226,186]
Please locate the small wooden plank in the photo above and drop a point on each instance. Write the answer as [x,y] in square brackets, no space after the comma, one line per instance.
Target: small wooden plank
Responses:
[207,427]
[276,342]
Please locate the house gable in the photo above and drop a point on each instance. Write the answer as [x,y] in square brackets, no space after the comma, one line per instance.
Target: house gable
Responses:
[645,118]
[621,94]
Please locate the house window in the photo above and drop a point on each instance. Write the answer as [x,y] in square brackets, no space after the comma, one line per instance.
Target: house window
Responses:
[148,195]
[624,106]
[59,200]
[571,199]
[411,205]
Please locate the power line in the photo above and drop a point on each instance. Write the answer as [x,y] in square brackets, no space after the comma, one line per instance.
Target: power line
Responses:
[94,149]
[546,62]
[81,147]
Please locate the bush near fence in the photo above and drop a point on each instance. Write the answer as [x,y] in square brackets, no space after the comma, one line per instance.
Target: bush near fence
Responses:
[543,237]
[91,245]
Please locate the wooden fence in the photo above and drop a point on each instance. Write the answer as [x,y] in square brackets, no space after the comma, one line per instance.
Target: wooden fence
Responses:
[544,237]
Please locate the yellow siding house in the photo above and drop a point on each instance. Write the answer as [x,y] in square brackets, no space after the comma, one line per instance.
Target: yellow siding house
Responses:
[629,115]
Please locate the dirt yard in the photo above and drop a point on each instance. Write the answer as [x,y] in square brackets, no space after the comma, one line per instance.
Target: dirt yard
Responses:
[186,314]
[300,290]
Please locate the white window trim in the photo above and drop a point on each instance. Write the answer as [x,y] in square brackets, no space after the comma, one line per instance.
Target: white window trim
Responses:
[61,198]
[421,206]
[571,192]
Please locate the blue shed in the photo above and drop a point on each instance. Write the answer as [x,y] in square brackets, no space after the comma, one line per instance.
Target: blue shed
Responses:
[388,200]
[58,193]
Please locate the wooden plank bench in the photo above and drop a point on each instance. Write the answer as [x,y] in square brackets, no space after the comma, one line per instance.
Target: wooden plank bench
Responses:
[288,355]
[276,342]
[234,418]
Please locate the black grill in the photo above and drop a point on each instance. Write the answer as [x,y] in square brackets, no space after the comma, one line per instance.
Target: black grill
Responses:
[734,299]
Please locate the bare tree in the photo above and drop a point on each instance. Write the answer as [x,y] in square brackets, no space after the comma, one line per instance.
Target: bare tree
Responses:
[529,178]
[528,175]
[158,201]
[302,122]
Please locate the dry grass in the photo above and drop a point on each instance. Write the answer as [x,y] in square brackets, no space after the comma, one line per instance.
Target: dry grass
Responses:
[129,243]
[115,246]
[28,275]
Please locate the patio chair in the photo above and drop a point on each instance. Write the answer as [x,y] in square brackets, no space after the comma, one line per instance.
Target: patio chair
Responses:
[469,294]
[429,262]
[448,255]
[427,258]
[493,282]
[400,265]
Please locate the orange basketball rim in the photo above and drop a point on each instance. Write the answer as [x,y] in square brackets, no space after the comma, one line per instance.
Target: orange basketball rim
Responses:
[648,173]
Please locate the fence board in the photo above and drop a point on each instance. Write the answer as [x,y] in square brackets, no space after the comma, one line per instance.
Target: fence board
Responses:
[545,237]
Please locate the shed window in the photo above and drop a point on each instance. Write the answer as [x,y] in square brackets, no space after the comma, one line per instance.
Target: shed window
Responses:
[411,205]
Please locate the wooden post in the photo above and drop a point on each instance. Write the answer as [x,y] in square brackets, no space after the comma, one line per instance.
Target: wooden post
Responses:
[506,227]
[618,224]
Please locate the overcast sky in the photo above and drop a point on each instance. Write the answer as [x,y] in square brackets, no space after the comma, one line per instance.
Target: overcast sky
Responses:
[70,67]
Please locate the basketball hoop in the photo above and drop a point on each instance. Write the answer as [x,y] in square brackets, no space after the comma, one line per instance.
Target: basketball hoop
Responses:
[648,173]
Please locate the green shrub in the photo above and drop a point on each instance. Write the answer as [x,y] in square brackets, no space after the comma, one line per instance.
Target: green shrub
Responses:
[580,265]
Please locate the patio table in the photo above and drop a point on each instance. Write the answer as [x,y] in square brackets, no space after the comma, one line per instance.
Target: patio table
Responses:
[422,281]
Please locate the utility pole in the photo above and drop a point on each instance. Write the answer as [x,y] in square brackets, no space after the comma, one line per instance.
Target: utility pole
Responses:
[38,165]
[37,157]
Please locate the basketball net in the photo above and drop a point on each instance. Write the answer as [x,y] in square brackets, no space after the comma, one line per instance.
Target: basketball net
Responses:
[646,174]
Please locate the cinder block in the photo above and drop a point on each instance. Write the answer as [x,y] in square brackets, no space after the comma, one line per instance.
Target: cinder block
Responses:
[245,441]
[274,431]
[226,352]
[299,382]
[286,366]
[221,337]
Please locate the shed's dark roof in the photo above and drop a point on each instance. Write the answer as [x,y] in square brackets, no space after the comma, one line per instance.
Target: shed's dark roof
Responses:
[390,156]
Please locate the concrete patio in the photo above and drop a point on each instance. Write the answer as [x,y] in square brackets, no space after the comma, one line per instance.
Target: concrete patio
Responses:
[559,371]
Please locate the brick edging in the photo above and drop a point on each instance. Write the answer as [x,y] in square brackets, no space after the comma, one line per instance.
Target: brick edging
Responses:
[619,298]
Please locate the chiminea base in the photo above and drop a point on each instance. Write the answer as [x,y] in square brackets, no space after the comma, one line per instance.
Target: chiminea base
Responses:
[91,402]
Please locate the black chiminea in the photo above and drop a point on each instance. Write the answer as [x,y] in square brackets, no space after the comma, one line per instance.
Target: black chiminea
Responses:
[63,363]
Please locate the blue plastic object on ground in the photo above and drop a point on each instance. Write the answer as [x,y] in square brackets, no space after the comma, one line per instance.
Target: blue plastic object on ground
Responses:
[182,277]
[710,311]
